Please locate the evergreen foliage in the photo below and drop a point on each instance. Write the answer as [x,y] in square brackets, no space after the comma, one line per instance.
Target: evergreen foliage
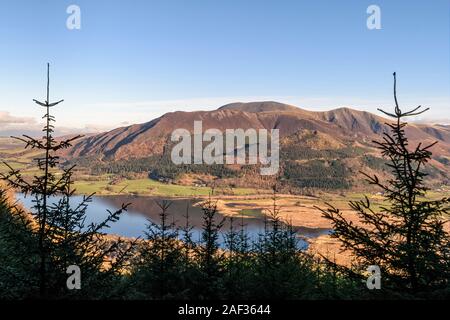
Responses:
[405,238]
[56,236]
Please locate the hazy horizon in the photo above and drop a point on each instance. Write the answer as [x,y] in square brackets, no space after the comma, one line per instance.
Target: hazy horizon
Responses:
[34,128]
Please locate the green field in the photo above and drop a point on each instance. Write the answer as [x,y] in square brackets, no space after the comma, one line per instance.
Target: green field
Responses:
[147,187]
[13,153]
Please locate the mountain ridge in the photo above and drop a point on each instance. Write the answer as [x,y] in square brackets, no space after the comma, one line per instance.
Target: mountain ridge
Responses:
[318,149]
[140,140]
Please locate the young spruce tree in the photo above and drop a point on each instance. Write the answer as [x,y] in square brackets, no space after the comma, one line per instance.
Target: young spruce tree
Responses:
[405,238]
[159,269]
[59,236]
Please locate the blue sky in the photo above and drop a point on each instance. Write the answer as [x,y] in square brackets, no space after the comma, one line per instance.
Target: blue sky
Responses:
[135,60]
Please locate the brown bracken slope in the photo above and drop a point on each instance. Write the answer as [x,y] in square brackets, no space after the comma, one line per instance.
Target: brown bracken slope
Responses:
[342,125]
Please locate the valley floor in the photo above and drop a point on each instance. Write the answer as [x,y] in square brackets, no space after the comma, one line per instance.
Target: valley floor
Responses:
[300,211]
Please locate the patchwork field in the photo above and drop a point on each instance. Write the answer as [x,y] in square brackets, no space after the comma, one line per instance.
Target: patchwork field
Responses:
[148,187]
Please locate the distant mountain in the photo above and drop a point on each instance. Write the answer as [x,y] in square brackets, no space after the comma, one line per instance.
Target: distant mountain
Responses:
[145,139]
[301,132]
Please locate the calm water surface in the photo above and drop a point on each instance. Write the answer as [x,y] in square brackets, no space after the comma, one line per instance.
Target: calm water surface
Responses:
[144,208]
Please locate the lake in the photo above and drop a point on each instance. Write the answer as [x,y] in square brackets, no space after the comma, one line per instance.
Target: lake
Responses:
[144,208]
